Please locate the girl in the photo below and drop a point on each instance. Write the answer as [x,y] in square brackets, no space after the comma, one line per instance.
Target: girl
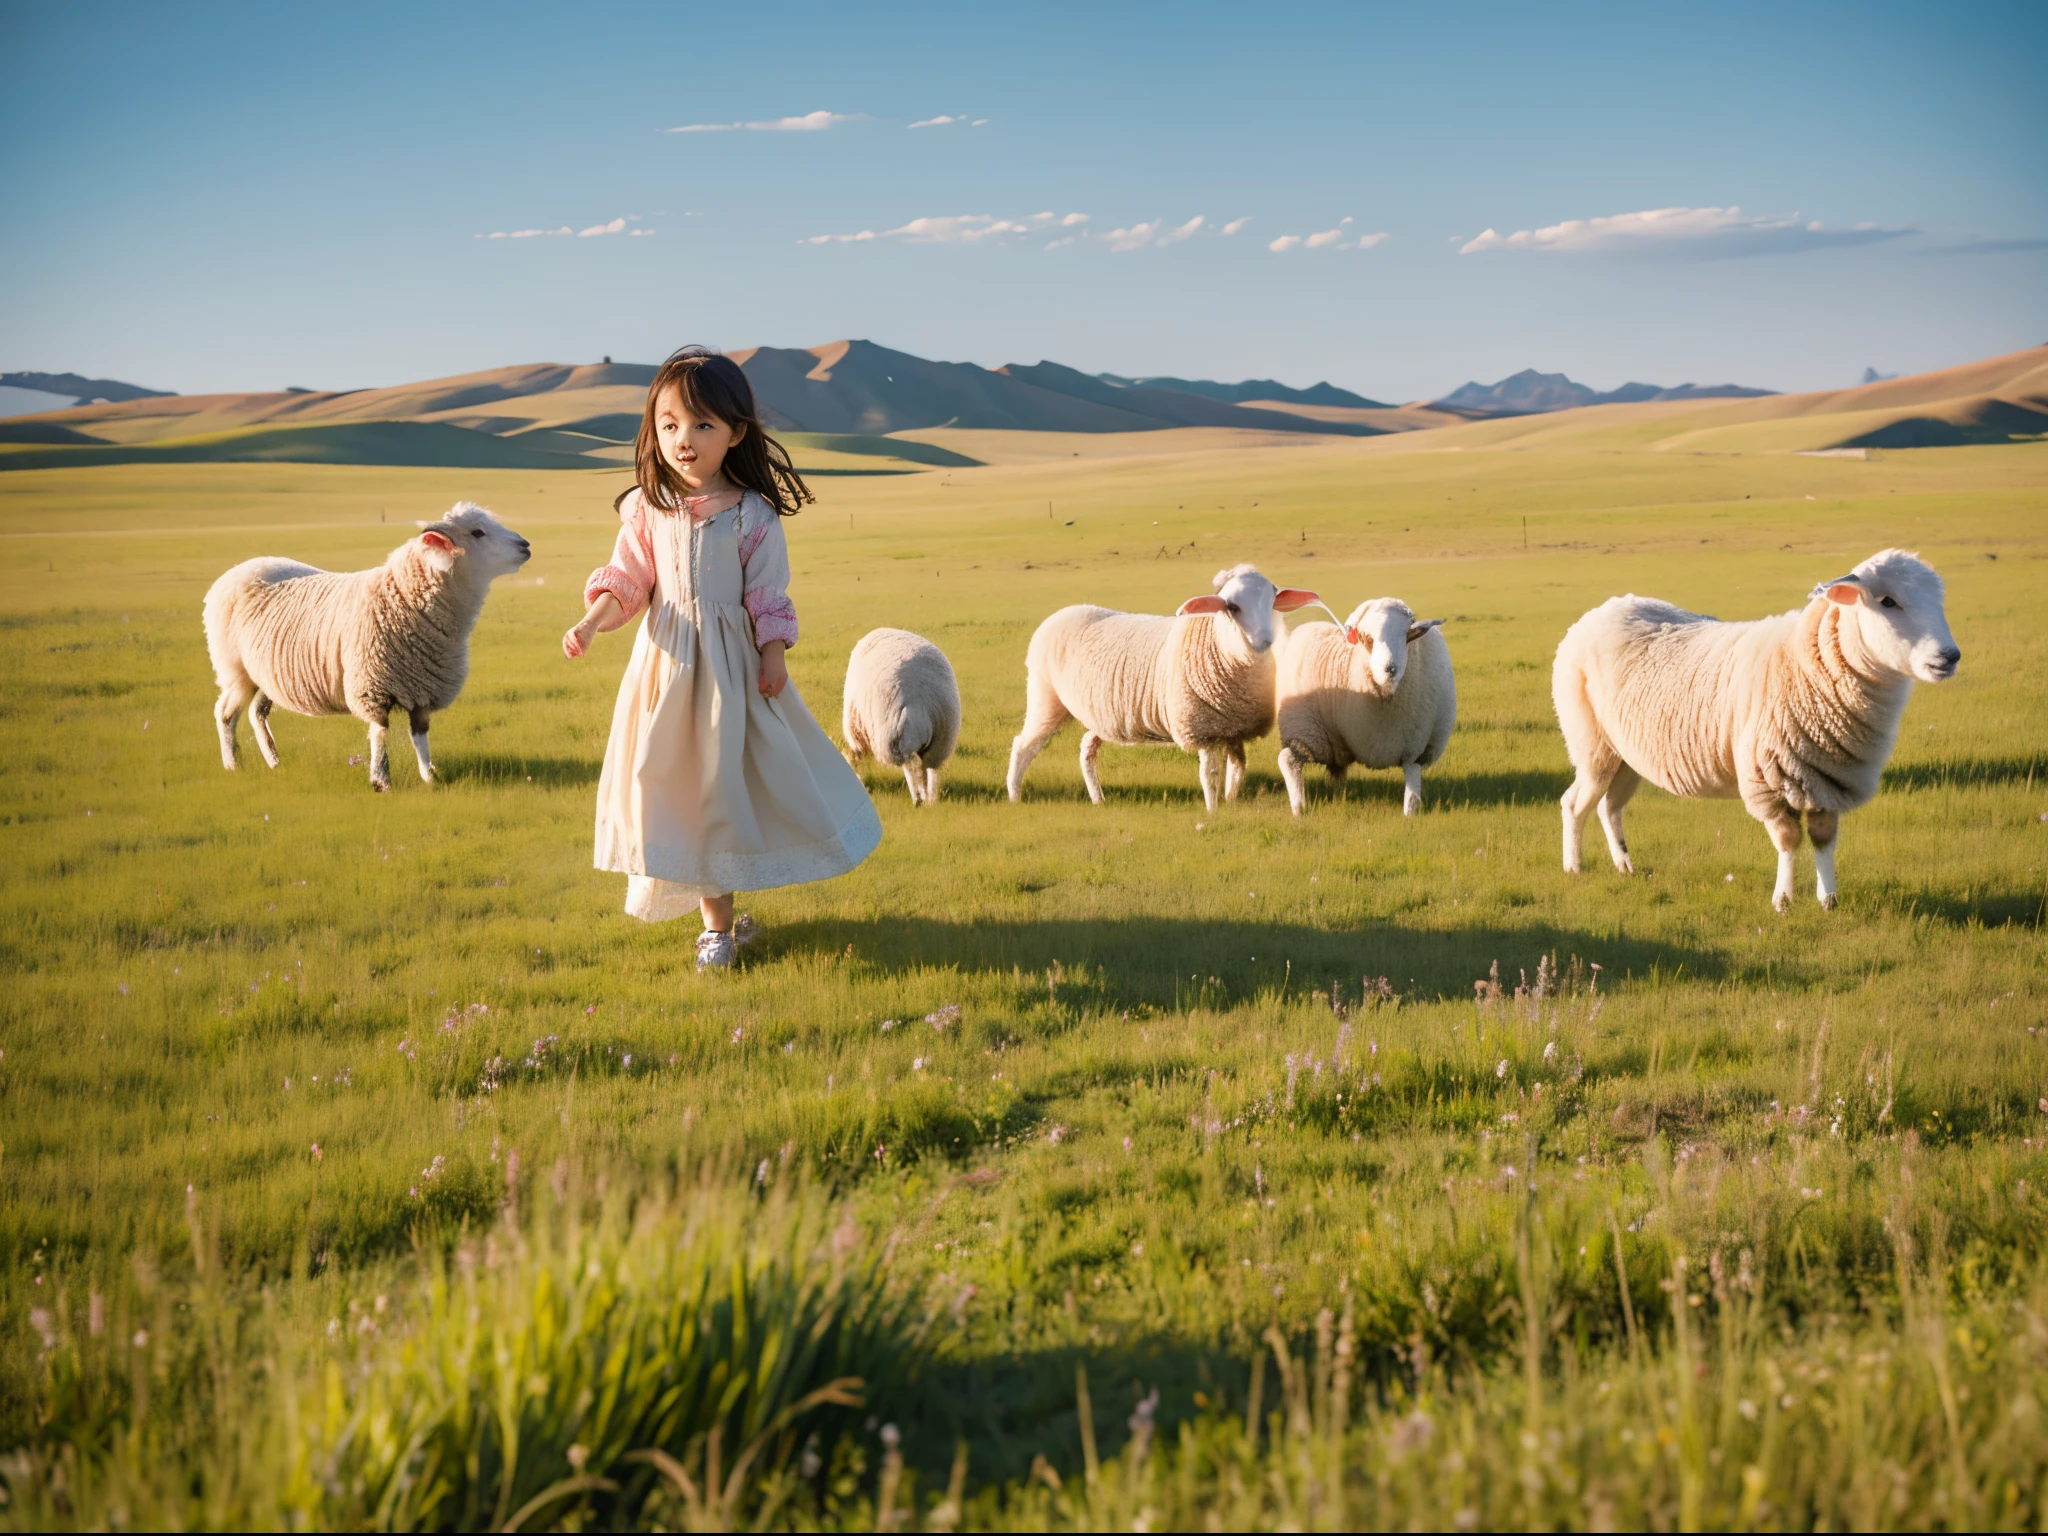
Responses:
[716,779]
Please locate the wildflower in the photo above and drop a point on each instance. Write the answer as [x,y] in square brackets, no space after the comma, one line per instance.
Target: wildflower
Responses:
[39,1319]
[917,1064]
[950,1014]
[627,1060]
[405,1048]
[761,1173]
[788,1049]
[1127,1143]
[141,1339]
[578,1455]
[122,988]
[1056,1135]
[433,1169]
[590,1010]
[891,1436]
[316,1151]
[1550,1051]
[1502,1069]
[1140,1422]
[889,1024]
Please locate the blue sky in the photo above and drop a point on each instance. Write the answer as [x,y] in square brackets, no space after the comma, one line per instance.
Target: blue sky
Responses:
[232,197]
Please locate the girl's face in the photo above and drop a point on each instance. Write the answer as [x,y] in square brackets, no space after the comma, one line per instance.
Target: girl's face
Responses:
[692,441]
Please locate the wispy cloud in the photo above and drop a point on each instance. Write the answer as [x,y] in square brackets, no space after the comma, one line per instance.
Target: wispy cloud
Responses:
[1182,231]
[1337,239]
[1235,225]
[810,122]
[619,226]
[944,121]
[959,229]
[1698,233]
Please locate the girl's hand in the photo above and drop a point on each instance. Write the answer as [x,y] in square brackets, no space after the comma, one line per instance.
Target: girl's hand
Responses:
[577,640]
[774,671]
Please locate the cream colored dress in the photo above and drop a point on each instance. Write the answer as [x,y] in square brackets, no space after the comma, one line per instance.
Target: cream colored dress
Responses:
[708,787]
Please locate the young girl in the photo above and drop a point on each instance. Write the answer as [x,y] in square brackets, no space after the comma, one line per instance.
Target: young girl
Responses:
[716,779]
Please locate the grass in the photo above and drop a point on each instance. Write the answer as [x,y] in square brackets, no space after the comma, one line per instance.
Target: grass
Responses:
[1215,1082]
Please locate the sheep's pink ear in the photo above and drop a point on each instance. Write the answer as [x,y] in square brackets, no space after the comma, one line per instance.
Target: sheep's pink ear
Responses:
[1351,633]
[1208,602]
[1287,599]
[1417,631]
[440,550]
[1845,592]
[434,538]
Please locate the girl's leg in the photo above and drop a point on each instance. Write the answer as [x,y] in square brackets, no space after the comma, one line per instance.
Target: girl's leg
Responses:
[717,914]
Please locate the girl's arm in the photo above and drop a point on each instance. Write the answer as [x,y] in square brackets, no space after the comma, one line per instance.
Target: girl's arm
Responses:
[764,563]
[618,590]
[605,613]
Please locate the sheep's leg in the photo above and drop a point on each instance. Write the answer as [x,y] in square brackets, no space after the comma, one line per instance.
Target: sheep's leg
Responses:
[1620,790]
[1290,770]
[1091,747]
[1206,767]
[1337,771]
[259,723]
[380,756]
[1233,770]
[913,775]
[1044,714]
[421,719]
[1782,822]
[1822,826]
[1578,801]
[1411,794]
[232,697]
[931,786]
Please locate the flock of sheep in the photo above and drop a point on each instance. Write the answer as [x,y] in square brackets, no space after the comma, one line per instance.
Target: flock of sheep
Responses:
[1794,714]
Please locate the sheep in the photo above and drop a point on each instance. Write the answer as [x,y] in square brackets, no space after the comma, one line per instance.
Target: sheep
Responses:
[1378,691]
[1795,714]
[902,707]
[357,642]
[1201,680]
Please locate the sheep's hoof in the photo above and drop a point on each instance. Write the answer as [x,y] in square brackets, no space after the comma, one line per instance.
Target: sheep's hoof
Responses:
[1412,806]
[1827,902]
[380,785]
[1782,901]
[1625,865]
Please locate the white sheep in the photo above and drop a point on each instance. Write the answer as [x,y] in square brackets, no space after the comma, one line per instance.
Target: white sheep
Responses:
[1201,680]
[1795,714]
[1378,691]
[902,708]
[358,642]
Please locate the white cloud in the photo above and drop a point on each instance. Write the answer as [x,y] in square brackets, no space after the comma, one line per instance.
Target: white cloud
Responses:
[979,122]
[959,229]
[1235,225]
[1322,238]
[942,121]
[1367,242]
[1182,231]
[1134,237]
[615,227]
[1333,239]
[530,234]
[1284,243]
[1053,245]
[810,122]
[1697,232]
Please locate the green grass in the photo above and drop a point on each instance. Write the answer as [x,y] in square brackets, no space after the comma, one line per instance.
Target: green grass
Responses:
[1177,1109]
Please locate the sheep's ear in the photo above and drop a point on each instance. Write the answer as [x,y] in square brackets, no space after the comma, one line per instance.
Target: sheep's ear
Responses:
[1208,602]
[1352,635]
[1845,591]
[1417,631]
[439,549]
[1287,599]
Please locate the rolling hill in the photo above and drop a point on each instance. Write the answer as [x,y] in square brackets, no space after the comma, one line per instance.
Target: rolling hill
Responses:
[852,407]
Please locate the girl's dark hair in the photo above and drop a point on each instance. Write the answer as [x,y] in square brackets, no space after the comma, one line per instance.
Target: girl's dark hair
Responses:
[712,383]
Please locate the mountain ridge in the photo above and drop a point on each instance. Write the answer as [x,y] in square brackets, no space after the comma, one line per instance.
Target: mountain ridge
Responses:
[1530,393]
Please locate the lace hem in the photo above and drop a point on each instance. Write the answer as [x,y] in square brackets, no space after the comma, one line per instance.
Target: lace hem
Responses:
[678,879]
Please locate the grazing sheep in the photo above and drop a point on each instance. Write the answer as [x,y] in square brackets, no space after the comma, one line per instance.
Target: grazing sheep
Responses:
[902,708]
[1795,713]
[1201,680]
[359,642]
[1378,691]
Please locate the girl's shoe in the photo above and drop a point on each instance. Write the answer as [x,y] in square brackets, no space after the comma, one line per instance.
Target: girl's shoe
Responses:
[715,951]
[745,930]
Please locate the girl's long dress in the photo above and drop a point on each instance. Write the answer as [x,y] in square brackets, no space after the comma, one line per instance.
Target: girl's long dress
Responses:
[708,787]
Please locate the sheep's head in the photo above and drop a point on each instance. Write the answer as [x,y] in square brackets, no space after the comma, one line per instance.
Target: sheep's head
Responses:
[1895,601]
[1252,603]
[471,534]
[1386,627]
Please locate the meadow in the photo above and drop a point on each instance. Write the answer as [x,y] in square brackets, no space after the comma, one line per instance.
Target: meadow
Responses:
[362,1164]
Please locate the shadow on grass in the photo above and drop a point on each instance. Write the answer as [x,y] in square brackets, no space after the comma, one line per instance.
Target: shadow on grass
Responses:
[1170,962]
[506,768]
[1986,908]
[1967,773]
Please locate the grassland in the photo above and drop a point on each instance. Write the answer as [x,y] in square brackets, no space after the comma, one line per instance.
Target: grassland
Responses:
[1213,1077]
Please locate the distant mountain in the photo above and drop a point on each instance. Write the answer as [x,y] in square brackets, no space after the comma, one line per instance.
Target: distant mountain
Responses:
[857,386]
[1872,376]
[1254,390]
[1530,393]
[78,388]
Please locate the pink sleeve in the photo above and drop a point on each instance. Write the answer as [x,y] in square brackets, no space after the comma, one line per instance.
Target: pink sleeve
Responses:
[764,563]
[630,575]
